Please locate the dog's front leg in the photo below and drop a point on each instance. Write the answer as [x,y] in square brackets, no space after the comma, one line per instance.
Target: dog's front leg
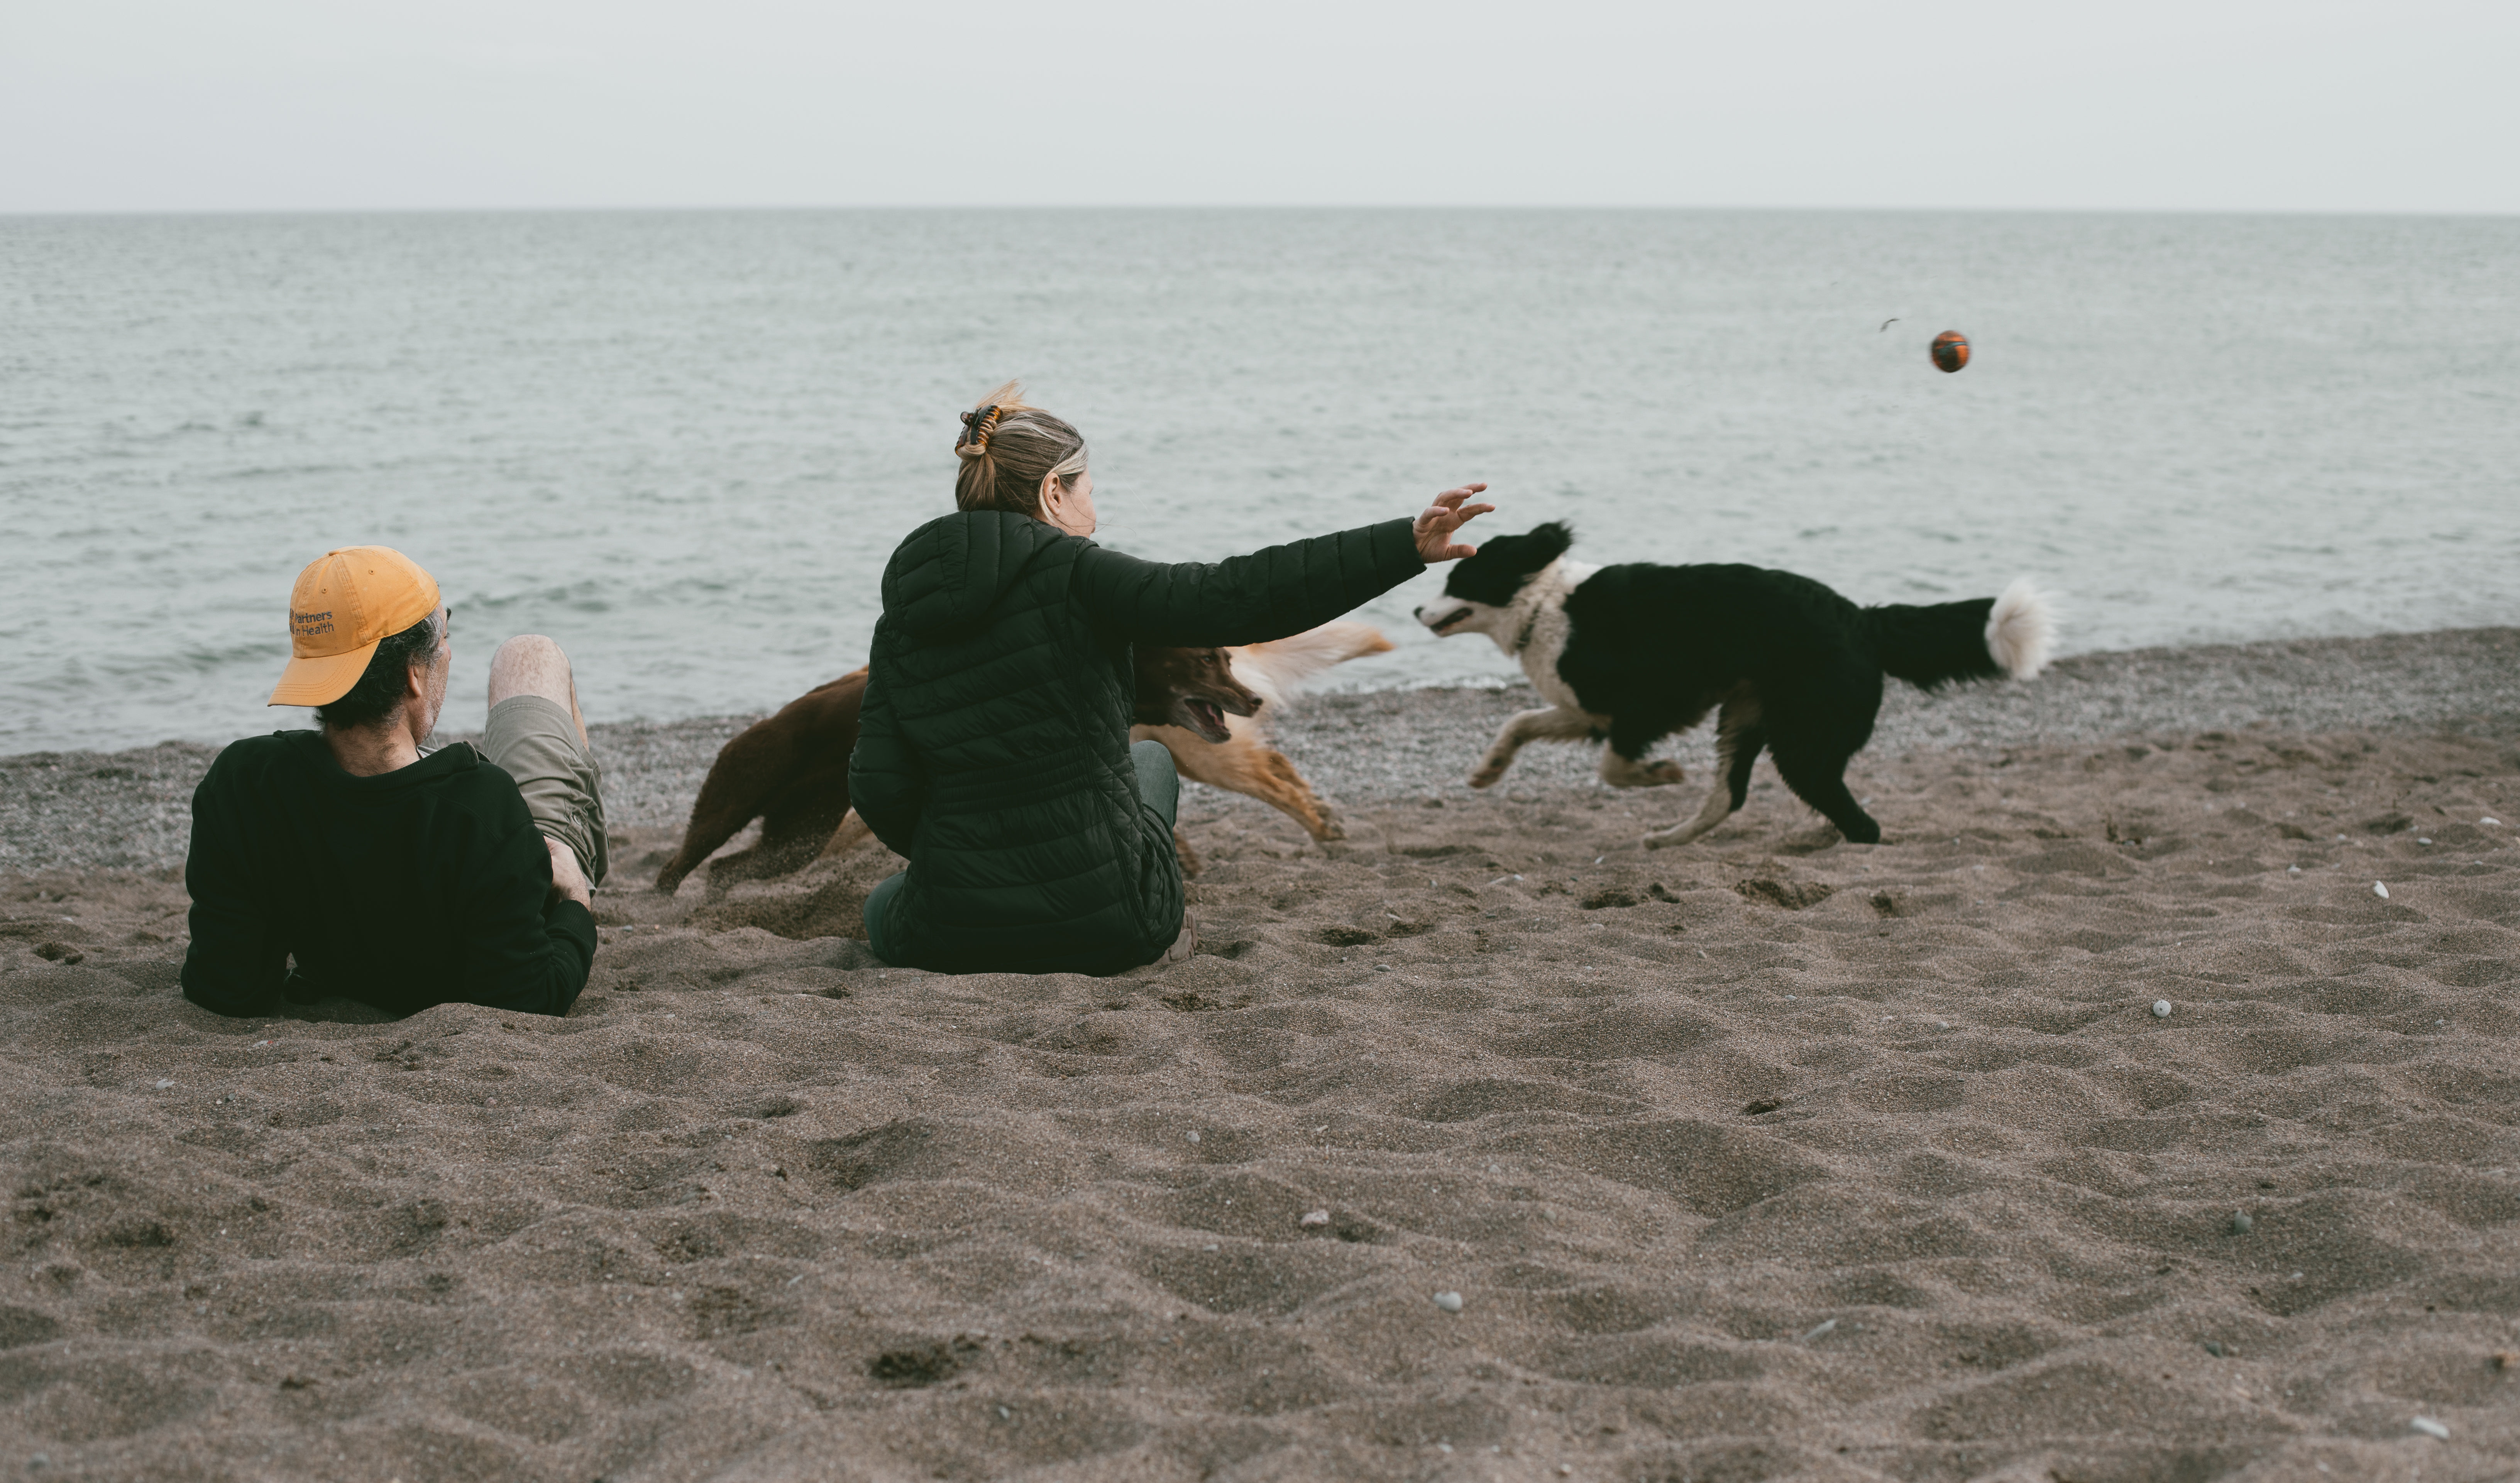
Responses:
[1623,761]
[1622,771]
[1740,736]
[1553,723]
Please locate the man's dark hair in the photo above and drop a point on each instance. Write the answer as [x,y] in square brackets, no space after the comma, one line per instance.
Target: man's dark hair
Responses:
[379,691]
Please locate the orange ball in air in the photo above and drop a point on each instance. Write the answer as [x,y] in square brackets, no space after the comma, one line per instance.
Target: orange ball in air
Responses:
[1951,349]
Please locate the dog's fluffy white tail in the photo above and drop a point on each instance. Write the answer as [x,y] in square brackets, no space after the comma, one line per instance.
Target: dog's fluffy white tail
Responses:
[1276,668]
[2021,630]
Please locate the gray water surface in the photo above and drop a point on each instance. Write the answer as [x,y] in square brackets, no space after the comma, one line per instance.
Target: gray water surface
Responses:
[685,443]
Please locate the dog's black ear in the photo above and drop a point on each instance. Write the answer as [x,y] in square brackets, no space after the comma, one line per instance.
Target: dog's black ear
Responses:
[1506,562]
[1549,542]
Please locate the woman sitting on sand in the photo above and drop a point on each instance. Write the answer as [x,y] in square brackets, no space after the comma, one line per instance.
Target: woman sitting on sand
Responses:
[993,753]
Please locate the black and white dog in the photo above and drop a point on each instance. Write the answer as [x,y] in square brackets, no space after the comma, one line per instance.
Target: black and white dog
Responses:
[1635,653]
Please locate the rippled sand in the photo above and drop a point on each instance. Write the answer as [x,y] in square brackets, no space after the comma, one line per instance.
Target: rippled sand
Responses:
[1767,1158]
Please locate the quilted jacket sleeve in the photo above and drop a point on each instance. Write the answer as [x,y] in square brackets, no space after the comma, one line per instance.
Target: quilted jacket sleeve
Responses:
[1270,594]
[887,781]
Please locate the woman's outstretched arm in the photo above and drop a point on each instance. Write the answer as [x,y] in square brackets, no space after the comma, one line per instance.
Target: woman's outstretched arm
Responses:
[1273,593]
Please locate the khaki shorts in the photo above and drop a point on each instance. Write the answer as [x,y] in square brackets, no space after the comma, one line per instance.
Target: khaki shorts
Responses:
[534,741]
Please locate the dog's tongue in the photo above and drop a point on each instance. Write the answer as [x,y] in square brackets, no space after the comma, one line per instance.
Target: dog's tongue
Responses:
[1208,714]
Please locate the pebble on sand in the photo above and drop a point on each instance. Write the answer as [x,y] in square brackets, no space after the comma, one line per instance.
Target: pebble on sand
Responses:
[1313,1218]
[2380,890]
[2161,1009]
[2431,1428]
[2242,1225]
[1826,1327]
[1449,1302]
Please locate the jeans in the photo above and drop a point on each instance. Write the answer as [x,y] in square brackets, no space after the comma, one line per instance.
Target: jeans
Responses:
[1158,788]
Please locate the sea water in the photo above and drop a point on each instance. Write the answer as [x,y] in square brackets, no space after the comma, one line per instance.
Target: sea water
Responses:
[682,444]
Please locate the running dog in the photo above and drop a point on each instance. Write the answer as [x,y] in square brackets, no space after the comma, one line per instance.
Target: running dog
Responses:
[1242,761]
[1636,651]
[791,770]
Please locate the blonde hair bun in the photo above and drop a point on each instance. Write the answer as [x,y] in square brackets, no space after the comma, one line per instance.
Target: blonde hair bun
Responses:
[1010,449]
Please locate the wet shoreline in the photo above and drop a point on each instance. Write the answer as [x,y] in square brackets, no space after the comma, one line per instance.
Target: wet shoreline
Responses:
[129,809]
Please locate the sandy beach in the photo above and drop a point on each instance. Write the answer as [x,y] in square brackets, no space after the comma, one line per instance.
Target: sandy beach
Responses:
[1484,1144]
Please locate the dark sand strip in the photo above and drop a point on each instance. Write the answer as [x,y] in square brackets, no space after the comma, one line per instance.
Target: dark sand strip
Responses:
[129,809]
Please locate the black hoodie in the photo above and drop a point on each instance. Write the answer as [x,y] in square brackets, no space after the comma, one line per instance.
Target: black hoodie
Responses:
[993,749]
[429,884]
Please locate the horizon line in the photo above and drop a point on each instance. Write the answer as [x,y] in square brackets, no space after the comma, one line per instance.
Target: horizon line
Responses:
[67,213]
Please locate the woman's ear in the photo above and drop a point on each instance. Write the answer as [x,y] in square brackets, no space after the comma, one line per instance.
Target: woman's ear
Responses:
[1055,507]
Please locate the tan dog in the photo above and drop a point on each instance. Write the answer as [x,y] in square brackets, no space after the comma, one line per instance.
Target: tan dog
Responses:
[1244,762]
[791,771]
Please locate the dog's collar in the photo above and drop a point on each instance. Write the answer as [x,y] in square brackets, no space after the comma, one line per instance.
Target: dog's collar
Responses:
[1538,604]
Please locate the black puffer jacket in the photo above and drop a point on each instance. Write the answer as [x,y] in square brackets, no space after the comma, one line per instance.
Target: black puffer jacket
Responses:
[993,749]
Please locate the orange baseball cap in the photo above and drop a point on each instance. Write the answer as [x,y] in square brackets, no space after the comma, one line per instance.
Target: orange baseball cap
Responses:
[345,605]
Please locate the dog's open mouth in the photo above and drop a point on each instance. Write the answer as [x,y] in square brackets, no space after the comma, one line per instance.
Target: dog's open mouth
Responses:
[1206,718]
[1451,620]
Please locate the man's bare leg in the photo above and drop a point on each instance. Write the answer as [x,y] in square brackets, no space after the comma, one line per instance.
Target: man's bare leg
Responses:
[530,665]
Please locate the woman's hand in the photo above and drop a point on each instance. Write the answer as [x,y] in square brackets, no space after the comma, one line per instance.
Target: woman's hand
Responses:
[1434,529]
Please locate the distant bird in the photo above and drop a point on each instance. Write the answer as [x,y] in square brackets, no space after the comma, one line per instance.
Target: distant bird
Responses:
[1887,323]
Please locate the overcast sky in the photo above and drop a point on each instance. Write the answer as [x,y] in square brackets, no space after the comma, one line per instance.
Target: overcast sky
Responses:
[324,104]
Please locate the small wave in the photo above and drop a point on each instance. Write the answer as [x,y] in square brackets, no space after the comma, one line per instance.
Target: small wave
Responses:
[283,471]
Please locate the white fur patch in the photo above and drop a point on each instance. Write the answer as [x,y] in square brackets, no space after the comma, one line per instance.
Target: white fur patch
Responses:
[2021,630]
[1532,631]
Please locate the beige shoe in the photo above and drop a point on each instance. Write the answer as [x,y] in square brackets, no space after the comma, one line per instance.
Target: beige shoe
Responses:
[1183,946]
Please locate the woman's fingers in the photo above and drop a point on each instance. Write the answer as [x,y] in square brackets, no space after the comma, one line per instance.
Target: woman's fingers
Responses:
[1448,503]
[1444,516]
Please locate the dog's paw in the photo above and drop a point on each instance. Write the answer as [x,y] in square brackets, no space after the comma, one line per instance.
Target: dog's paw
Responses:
[1331,830]
[1664,773]
[1824,835]
[1487,775]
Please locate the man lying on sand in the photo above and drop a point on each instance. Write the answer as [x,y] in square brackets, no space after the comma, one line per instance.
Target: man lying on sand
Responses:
[342,863]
